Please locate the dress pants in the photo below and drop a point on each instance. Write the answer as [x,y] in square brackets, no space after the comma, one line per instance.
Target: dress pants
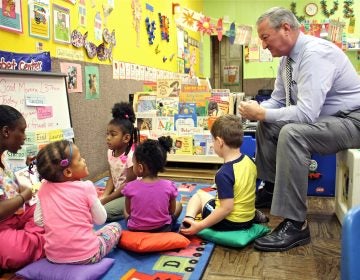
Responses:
[283,154]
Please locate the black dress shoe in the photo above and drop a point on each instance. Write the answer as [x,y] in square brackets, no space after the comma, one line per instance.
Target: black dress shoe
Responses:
[263,198]
[284,237]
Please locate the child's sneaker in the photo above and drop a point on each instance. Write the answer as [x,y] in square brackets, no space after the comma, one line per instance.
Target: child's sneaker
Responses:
[260,217]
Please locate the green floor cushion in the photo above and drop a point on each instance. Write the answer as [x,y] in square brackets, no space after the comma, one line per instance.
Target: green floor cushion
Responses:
[236,238]
[143,242]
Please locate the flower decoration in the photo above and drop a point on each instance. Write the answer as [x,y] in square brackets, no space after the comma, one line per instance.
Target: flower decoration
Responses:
[189,18]
[348,11]
[205,26]
[325,10]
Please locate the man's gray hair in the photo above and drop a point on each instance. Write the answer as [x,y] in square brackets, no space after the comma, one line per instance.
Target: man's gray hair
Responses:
[277,16]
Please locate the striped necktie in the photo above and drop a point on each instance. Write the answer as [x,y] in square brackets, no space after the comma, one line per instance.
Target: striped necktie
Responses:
[288,81]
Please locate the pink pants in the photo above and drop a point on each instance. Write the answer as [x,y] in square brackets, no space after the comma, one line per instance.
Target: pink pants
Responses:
[21,240]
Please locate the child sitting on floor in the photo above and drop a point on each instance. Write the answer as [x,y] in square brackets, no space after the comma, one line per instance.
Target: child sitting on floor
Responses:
[68,207]
[120,137]
[150,202]
[233,208]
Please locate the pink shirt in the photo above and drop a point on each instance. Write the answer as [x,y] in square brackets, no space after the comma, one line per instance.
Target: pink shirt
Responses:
[119,166]
[69,234]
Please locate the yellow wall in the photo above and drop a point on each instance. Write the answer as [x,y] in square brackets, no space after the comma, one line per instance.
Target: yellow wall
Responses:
[121,20]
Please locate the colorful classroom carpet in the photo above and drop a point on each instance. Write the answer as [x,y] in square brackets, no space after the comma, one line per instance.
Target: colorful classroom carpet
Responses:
[189,263]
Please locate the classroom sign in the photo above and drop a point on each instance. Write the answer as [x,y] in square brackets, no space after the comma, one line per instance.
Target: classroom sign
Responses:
[38,62]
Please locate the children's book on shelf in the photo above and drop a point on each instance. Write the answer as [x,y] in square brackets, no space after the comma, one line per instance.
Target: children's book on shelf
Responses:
[210,147]
[201,99]
[182,145]
[202,121]
[188,120]
[167,106]
[164,124]
[219,102]
[168,87]
[187,108]
[211,120]
[149,86]
[199,144]
[188,130]
[144,101]
[145,120]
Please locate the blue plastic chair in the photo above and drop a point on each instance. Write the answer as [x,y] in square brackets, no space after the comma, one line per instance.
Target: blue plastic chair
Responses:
[350,243]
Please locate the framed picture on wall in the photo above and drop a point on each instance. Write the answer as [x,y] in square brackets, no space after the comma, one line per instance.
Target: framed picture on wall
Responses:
[11,16]
[39,20]
[61,24]
[73,76]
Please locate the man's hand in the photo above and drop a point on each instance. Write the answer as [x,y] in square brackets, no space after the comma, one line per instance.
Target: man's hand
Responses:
[251,110]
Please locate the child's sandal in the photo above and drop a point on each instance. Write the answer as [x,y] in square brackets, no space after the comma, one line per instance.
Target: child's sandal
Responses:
[190,217]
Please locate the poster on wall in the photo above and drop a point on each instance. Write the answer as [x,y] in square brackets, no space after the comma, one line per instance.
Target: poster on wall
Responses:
[92,82]
[61,24]
[265,55]
[39,20]
[74,76]
[11,16]
[231,75]
[82,13]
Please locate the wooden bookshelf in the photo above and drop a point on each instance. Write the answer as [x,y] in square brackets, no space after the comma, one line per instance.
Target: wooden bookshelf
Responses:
[195,158]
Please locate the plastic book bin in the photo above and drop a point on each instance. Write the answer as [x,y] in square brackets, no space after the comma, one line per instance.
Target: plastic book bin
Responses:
[350,245]
[347,193]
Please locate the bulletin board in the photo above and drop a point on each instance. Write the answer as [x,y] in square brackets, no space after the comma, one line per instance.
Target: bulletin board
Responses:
[40,97]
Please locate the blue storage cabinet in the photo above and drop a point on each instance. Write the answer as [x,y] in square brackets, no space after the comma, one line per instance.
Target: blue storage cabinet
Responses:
[322,179]
[248,146]
[322,176]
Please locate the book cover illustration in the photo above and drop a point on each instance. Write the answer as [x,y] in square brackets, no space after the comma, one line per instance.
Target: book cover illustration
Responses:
[164,124]
[199,145]
[202,121]
[187,108]
[144,121]
[183,145]
[201,99]
[167,106]
[219,102]
[168,87]
[185,120]
[144,101]
[29,177]
[210,147]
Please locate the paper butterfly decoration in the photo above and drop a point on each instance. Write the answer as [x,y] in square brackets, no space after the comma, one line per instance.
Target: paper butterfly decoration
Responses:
[157,49]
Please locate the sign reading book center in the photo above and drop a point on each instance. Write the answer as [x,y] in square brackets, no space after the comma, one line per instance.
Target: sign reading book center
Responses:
[42,99]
